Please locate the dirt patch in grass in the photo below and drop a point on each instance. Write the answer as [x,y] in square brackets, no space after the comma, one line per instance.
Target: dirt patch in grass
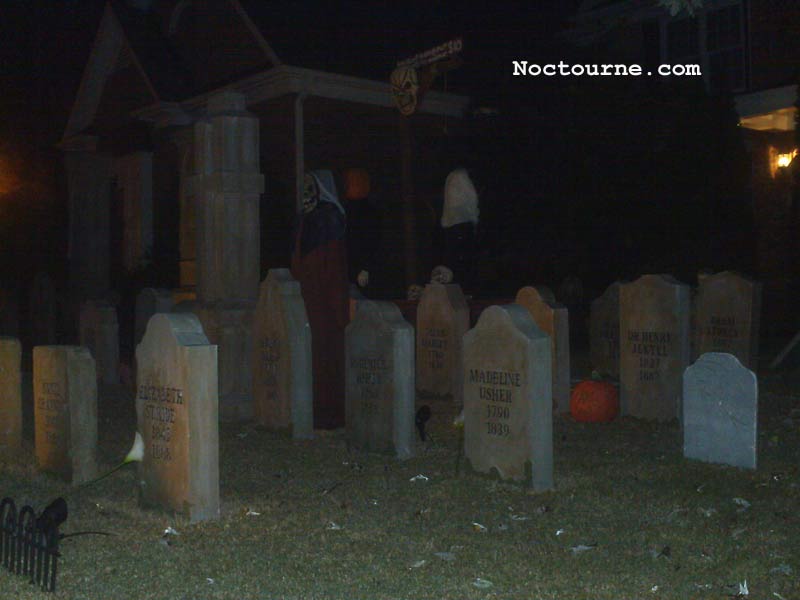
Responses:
[629,518]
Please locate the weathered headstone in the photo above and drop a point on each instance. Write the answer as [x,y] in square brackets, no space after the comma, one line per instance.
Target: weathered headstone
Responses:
[728,313]
[508,405]
[99,332]
[442,321]
[379,399]
[654,346]
[177,406]
[553,319]
[149,302]
[42,310]
[282,384]
[604,332]
[65,411]
[10,392]
[720,411]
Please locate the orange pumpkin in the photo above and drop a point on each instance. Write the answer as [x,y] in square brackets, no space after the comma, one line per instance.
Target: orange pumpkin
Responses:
[594,402]
[356,184]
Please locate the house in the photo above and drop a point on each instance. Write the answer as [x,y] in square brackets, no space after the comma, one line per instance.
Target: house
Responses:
[186,147]
[744,48]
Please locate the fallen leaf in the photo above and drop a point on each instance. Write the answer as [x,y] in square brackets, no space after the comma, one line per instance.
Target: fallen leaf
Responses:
[582,548]
[782,569]
[482,584]
[445,556]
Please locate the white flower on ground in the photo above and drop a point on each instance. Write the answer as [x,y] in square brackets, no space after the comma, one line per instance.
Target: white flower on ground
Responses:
[137,450]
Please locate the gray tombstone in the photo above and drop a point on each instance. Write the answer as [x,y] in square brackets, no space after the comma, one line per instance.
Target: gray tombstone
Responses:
[604,332]
[442,321]
[177,407]
[65,411]
[150,301]
[282,374]
[99,332]
[10,393]
[720,411]
[654,346]
[379,375]
[553,319]
[728,314]
[508,404]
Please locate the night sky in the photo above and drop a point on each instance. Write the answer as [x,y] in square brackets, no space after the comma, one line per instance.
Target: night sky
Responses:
[559,150]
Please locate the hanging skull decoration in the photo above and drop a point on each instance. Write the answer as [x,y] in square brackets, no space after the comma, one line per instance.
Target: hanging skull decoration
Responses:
[441,274]
[310,193]
[405,89]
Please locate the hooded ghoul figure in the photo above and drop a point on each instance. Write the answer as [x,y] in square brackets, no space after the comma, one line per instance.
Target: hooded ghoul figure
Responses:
[459,222]
[319,263]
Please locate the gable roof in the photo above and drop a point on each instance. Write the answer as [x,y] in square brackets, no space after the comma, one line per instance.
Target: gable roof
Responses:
[184,50]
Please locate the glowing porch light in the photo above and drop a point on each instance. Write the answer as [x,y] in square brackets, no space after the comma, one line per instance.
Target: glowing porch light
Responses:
[784,160]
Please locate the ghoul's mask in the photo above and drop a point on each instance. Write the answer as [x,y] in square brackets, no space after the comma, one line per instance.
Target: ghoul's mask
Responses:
[310,193]
[405,89]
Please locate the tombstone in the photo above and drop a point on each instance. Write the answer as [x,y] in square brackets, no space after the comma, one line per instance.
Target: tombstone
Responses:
[553,319]
[442,321]
[604,332]
[728,314]
[99,332]
[508,405]
[720,411]
[379,380]
[282,374]
[65,411]
[42,310]
[149,302]
[177,407]
[654,346]
[10,392]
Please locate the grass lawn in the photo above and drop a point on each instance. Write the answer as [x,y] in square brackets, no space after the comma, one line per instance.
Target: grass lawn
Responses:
[629,518]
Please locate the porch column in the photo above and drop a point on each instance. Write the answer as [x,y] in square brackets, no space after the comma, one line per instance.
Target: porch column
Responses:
[227,185]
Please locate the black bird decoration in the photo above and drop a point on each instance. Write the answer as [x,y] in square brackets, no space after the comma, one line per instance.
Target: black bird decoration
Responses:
[422,416]
[53,515]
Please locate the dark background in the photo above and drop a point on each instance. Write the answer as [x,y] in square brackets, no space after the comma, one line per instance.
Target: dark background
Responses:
[600,179]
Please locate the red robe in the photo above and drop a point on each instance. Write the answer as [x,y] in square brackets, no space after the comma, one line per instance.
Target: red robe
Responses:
[319,263]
